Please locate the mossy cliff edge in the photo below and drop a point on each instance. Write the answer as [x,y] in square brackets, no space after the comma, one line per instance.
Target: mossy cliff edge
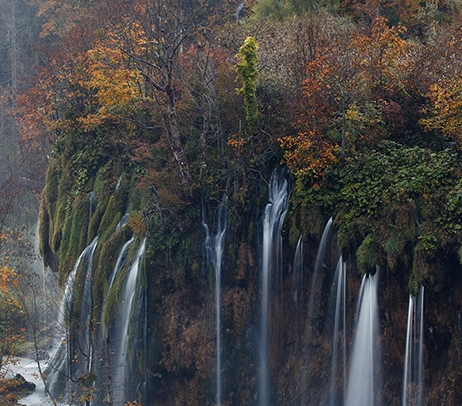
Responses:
[174,342]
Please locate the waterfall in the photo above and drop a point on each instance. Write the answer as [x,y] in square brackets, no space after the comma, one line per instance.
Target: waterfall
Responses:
[120,260]
[214,246]
[59,369]
[85,334]
[365,367]
[122,329]
[420,359]
[117,186]
[123,220]
[338,362]
[407,355]
[314,322]
[316,283]
[273,219]
[413,359]
[91,196]
[297,275]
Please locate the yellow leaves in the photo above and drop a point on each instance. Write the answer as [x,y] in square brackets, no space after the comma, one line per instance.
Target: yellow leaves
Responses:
[444,111]
[382,56]
[8,279]
[11,314]
[237,142]
[114,88]
[308,153]
[103,79]
[348,95]
[137,223]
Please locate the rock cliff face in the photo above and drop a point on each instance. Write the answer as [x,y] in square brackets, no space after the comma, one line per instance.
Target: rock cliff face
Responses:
[172,335]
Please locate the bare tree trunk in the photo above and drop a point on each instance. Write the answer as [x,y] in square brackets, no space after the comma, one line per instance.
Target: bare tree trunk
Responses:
[174,139]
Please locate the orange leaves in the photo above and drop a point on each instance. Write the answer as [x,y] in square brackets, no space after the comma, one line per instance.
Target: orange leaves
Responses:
[317,90]
[381,57]
[237,142]
[445,108]
[309,154]
[114,87]
[349,85]
[8,279]
[404,10]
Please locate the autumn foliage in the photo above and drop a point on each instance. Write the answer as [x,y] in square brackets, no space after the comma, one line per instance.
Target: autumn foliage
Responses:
[164,75]
[360,89]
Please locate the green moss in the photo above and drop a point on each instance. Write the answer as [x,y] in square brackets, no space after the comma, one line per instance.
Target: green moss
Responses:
[111,306]
[367,256]
[104,188]
[57,201]
[47,208]
[59,218]
[78,291]
[115,209]
[294,232]
[104,262]
[113,297]
[74,235]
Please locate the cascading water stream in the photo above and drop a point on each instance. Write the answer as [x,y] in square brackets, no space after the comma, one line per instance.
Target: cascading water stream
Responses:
[214,246]
[122,330]
[314,299]
[123,221]
[297,275]
[120,259]
[407,355]
[420,363]
[85,337]
[118,183]
[365,367]
[338,360]
[91,196]
[273,219]
[58,369]
[312,326]
[413,360]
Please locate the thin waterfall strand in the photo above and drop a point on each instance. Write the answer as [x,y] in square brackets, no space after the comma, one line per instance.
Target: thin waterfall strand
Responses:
[420,362]
[59,365]
[119,262]
[339,285]
[407,354]
[297,274]
[413,359]
[365,367]
[313,302]
[214,247]
[272,224]
[311,327]
[123,330]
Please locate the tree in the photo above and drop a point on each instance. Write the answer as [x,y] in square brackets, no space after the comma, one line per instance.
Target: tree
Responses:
[445,107]
[352,95]
[152,35]
[247,71]
[12,320]
[13,253]
[37,293]
[442,112]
